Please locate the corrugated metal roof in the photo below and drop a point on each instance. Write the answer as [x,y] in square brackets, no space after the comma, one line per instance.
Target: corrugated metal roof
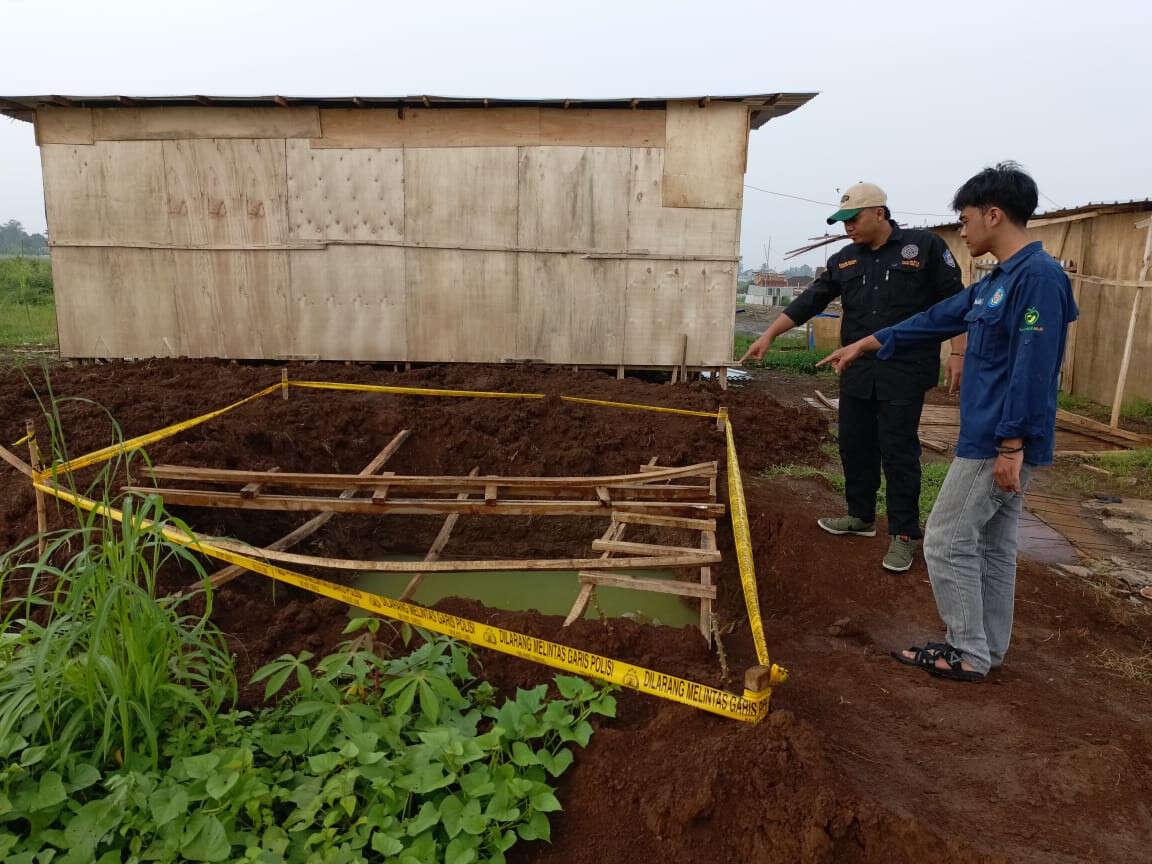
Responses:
[1133,206]
[764,106]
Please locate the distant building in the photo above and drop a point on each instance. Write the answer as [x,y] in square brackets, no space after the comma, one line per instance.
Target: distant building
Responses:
[769,280]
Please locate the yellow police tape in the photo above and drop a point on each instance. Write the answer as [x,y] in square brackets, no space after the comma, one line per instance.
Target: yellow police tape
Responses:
[113,450]
[492,394]
[738,512]
[645,680]
[751,707]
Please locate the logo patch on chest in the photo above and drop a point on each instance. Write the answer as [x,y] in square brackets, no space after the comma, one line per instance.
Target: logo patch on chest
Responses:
[844,264]
[910,251]
[996,299]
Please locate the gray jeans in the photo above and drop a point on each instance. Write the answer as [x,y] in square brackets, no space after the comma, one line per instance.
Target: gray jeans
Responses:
[970,547]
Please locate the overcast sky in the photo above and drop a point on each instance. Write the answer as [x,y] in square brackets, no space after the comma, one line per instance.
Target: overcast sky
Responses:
[915,97]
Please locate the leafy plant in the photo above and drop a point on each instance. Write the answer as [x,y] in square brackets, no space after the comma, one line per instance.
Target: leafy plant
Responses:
[363,758]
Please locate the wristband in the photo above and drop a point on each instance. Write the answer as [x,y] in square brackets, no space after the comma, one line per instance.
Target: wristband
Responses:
[1003,451]
[957,354]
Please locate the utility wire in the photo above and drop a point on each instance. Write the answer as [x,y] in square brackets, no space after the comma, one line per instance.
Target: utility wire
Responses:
[830,204]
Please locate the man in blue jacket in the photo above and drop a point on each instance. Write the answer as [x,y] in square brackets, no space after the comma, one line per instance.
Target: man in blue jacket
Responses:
[1016,318]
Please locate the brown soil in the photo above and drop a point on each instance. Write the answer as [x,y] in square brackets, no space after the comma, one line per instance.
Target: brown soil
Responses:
[862,759]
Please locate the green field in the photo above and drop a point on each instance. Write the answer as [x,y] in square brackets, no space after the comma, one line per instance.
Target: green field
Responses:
[27,311]
[787,353]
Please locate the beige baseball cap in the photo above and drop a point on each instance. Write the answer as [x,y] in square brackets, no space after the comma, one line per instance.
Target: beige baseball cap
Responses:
[856,199]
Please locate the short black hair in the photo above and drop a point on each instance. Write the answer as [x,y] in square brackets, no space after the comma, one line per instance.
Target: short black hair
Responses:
[887,214]
[1007,186]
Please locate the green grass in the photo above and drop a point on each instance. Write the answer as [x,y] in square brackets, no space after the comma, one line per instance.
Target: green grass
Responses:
[24,324]
[1128,463]
[1133,409]
[781,356]
[26,280]
[27,313]
[932,478]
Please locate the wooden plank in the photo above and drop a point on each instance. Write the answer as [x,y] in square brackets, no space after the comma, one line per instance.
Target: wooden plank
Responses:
[625,548]
[116,302]
[404,506]
[461,196]
[233,304]
[429,128]
[1088,426]
[704,155]
[437,547]
[173,123]
[707,544]
[251,490]
[106,193]
[645,583]
[569,309]
[674,232]
[346,195]
[16,462]
[935,444]
[349,303]
[303,532]
[460,306]
[666,299]
[1122,376]
[663,521]
[517,564]
[601,127]
[380,493]
[573,198]
[614,531]
[232,192]
[64,126]
[305,480]
[828,403]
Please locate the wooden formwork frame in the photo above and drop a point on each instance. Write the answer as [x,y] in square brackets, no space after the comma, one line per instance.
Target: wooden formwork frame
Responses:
[647,498]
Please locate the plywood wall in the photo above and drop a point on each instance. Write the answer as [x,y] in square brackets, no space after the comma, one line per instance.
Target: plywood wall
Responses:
[465,235]
[1107,245]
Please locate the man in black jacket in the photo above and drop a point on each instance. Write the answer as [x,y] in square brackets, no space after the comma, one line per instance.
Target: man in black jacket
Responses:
[885,275]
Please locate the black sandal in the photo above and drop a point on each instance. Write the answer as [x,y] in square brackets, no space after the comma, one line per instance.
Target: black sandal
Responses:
[925,656]
[955,671]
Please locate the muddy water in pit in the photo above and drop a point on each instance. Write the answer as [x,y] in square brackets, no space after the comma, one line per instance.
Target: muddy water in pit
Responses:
[550,593]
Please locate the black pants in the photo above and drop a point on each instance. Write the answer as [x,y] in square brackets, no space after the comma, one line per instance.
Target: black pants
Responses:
[875,432]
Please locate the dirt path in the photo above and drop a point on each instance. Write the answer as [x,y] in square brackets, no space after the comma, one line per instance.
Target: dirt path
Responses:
[862,759]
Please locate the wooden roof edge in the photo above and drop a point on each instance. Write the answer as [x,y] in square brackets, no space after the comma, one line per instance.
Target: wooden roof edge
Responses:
[764,106]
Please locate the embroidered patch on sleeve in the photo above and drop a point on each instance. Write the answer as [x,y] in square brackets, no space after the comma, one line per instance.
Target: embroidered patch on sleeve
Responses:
[1031,321]
[948,259]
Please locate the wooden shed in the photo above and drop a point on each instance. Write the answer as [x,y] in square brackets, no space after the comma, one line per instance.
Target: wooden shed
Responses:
[397,228]
[1105,249]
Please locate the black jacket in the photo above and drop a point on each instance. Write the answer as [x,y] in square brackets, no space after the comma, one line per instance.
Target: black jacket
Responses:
[878,288]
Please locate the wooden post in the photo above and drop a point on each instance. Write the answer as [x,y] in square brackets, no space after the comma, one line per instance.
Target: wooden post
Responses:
[722,420]
[757,679]
[284,382]
[722,376]
[1122,378]
[684,361]
[41,509]
[1068,376]
[619,373]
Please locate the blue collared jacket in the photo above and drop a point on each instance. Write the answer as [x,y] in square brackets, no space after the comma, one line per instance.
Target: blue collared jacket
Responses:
[1017,318]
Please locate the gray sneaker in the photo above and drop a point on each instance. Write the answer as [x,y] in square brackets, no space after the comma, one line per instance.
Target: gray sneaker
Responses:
[847,525]
[901,551]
